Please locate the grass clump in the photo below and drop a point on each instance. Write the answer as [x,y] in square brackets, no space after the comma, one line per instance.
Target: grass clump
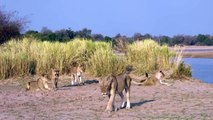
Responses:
[182,71]
[104,62]
[148,56]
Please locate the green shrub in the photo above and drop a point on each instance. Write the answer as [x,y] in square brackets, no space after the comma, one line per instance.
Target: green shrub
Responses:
[182,71]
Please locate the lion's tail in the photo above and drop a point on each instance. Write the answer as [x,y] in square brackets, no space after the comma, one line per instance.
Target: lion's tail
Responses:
[142,82]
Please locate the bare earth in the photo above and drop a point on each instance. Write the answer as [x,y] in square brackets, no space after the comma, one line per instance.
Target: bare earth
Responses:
[182,100]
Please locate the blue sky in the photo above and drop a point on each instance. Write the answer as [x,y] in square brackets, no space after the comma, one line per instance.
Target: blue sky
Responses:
[109,17]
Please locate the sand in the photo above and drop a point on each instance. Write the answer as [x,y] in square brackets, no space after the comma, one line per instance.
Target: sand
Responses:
[198,51]
[182,100]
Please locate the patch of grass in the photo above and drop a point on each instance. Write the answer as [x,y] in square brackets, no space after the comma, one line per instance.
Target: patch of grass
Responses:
[31,56]
[104,62]
[182,71]
[148,56]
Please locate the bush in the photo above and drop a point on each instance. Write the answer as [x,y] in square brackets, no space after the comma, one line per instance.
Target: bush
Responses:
[182,71]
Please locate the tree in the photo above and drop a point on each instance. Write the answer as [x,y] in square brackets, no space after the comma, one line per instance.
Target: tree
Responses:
[189,40]
[137,36]
[33,34]
[45,31]
[164,39]
[84,33]
[108,39]
[147,36]
[203,40]
[97,37]
[10,27]
[62,35]
[177,40]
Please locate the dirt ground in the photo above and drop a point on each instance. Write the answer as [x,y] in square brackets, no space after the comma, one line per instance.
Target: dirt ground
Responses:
[191,100]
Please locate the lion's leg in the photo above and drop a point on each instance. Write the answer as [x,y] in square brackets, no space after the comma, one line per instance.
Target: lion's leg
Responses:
[46,87]
[56,83]
[122,100]
[73,80]
[110,105]
[128,106]
[76,78]
[79,78]
[163,83]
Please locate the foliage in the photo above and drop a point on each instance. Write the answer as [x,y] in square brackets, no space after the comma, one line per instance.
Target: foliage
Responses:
[104,62]
[32,56]
[10,26]
[29,56]
[148,56]
[182,71]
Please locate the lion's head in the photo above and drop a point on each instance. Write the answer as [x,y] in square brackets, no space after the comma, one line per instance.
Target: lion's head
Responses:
[105,85]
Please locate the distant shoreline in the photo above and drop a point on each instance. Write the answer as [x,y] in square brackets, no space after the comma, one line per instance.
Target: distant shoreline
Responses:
[198,51]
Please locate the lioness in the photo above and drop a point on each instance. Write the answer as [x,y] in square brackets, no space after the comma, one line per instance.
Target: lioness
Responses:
[157,77]
[111,85]
[39,84]
[76,74]
[55,78]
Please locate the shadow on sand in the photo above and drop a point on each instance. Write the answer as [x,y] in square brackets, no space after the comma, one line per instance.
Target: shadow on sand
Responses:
[87,82]
[141,102]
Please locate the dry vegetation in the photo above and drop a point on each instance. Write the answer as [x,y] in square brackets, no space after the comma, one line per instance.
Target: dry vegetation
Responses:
[30,56]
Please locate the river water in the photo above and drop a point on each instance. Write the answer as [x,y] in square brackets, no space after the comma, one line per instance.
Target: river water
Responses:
[202,68]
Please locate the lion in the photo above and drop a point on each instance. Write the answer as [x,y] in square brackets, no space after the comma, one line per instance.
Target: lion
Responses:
[112,84]
[157,77]
[55,78]
[76,74]
[40,84]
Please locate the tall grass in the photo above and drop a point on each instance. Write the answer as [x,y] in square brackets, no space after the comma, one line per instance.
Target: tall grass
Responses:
[104,62]
[148,56]
[180,70]
[30,56]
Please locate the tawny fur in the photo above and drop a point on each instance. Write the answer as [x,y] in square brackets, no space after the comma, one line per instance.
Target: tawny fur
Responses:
[111,85]
[40,84]
[76,75]
[156,78]
[55,78]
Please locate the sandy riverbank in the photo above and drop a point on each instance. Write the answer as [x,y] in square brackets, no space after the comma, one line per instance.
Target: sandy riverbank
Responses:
[198,51]
[182,100]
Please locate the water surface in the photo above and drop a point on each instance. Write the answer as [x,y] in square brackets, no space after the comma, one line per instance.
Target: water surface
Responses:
[202,68]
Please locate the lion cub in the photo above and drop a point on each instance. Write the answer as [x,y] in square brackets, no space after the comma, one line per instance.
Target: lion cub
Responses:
[40,84]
